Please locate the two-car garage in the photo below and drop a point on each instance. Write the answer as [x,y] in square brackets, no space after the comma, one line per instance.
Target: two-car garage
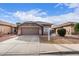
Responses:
[30,31]
[33,28]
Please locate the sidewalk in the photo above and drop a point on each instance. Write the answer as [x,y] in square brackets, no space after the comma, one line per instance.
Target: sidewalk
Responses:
[54,48]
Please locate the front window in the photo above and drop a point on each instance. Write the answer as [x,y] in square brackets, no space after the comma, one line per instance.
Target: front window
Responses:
[46,29]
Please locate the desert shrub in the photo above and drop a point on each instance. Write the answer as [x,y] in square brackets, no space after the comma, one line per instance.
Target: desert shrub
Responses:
[77,28]
[61,32]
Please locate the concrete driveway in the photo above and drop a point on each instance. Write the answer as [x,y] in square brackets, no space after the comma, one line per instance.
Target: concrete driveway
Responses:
[30,45]
[22,45]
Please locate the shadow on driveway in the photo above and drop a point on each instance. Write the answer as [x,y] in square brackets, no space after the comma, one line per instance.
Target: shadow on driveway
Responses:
[62,53]
[29,38]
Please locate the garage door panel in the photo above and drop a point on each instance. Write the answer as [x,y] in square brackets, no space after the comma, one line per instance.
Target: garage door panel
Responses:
[29,31]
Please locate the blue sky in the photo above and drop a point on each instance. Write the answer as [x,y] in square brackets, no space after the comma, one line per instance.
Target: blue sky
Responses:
[49,12]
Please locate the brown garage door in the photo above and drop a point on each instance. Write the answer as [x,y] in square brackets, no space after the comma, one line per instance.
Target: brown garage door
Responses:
[30,31]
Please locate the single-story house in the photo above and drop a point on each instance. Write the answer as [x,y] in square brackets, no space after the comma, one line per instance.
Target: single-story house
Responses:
[7,28]
[69,26]
[34,28]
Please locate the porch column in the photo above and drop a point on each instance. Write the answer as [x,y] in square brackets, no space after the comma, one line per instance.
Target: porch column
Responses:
[19,31]
[42,30]
[11,30]
[49,35]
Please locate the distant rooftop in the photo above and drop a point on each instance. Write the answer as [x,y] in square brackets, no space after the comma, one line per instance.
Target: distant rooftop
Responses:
[64,24]
[7,23]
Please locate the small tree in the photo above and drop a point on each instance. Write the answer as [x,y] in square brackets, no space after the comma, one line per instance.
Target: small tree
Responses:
[18,23]
[77,28]
[61,32]
[17,27]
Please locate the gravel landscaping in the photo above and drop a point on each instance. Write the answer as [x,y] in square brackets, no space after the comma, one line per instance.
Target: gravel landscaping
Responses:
[6,37]
[60,40]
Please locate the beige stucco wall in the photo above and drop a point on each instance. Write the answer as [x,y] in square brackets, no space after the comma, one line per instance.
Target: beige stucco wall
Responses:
[72,28]
[5,29]
[69,30]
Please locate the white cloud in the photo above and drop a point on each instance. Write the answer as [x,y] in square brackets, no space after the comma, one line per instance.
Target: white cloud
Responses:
[32,15]
[72,16]
[72,5]
[59,4]
[69,5]
[5,12]
[35,15]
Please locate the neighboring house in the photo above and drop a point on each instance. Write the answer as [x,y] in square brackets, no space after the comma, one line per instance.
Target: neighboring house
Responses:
[69,26]
[7,28]
[33,28]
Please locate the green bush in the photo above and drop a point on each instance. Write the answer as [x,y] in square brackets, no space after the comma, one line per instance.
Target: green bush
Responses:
[61,32]
[77,28]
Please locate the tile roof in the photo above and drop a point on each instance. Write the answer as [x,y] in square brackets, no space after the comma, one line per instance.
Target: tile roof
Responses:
[7,23]
[38,22]
[64,24]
